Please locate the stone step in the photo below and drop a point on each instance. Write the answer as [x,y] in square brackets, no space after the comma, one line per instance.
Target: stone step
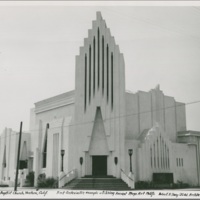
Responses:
[97,184]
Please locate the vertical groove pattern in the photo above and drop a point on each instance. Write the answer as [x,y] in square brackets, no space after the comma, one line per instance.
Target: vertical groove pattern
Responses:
[102,65]
[107,53]
[90,85]
[168,158]
[112,80]
[98,58]
[154,148]
[94,66]
[161,156]
[151,157]
[44,162]
[157,154]
[85,81]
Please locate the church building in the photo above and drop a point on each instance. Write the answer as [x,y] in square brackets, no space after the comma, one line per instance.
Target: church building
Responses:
[100,129]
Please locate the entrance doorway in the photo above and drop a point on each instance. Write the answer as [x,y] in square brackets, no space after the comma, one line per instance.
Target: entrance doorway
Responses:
[99,165]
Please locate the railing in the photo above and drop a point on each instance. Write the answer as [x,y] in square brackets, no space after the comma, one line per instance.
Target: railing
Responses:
[129,179]
[66,178]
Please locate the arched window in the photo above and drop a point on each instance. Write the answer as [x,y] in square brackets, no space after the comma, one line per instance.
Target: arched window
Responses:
[44,163]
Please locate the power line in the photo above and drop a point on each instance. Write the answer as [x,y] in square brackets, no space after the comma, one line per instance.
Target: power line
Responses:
[107,119]
[122,116]
[169,29]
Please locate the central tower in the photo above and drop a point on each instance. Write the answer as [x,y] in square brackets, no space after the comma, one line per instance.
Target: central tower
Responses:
[99,104]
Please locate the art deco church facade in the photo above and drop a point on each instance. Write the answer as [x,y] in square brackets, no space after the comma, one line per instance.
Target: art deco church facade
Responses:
[99,122]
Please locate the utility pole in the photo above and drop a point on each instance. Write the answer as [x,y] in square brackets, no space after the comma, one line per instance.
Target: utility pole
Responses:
[17,167]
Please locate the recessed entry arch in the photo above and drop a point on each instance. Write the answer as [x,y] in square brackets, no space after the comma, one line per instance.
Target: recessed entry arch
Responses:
[98,148]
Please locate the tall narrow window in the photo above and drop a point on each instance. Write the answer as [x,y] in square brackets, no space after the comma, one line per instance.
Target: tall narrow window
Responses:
[161,156]
[107,56]
[98,58]
[94,66]
[157,153]
[163,151]
[151,157]
[23,161]
[112,80]
[154,148]
[44,163]
[85,81]
[4,157]
[166,160]
[102,65]
[90,85]
[168,156]
[177,162]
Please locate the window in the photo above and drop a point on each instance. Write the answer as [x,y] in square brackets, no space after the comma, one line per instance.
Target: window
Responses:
[112,80]
[45,147]
[161,153]
[157,153]
[154,155]
[102,65]
[107,72]
[90,73]
[98,58]
[94,73]
[23,164]
[168,156]
[151,157]
[85,81]
[4,157]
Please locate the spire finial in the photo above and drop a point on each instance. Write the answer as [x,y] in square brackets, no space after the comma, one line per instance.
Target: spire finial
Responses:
[99,17]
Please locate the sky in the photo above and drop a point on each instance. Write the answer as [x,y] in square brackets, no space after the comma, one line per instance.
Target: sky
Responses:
[38,45]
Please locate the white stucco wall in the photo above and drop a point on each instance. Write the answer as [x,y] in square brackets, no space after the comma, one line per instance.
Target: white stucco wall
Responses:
[100,97]
[143,109]
[187,172]
[9,141]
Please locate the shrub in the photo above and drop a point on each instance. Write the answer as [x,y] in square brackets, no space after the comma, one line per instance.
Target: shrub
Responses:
[4,185]
[180,184]
[144,185]
[30,179]
[44,182]
[152,185]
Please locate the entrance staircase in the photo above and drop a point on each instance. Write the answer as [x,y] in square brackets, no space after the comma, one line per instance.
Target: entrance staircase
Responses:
[94,183]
